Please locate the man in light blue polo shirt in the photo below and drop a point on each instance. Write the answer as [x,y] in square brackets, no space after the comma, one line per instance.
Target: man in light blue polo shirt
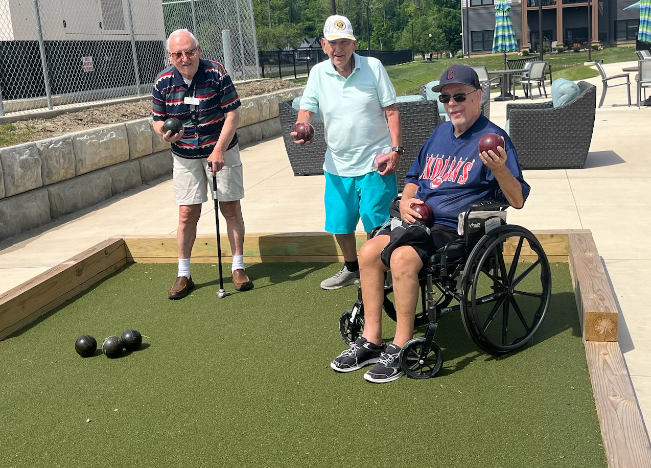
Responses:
[358,104]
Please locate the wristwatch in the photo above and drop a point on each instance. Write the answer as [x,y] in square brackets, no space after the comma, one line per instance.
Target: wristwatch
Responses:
[398,149]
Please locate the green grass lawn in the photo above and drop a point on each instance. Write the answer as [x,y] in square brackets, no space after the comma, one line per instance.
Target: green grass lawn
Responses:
[245,381]
[407,78]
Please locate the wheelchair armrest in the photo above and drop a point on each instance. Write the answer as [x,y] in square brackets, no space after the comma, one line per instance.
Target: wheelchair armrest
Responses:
[488,205]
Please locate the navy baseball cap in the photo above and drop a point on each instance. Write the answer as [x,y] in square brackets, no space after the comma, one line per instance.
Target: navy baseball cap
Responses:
[458,73]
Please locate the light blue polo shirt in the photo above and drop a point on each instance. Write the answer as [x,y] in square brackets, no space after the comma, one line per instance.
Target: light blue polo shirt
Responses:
[356,128]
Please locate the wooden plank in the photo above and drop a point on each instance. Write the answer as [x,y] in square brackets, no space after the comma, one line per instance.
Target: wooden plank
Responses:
[283,247]
[622,429]
[28,301]
[293,247]
[595,300]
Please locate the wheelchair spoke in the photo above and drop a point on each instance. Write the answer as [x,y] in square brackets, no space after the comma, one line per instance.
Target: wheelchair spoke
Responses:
[527,293]
[491,316]
[518,312]
[505,322]
[525,273]
[516,259]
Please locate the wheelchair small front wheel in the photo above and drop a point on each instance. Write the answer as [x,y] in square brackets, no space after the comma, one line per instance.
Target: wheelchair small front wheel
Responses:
[419,361]
[351,327]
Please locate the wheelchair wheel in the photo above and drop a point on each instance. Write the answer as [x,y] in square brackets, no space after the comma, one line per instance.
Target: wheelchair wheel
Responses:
[351,328]
[417,363]
[505,300]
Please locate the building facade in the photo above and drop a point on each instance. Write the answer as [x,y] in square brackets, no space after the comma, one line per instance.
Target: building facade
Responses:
[564,22]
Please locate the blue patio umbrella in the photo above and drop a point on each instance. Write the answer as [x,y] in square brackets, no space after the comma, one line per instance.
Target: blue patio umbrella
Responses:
[644,31]
[504,38]
[635,5]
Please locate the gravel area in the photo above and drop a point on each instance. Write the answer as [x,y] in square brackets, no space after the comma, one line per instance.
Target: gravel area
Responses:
[75,121]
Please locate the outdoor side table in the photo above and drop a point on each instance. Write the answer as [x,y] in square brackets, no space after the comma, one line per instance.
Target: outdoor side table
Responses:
[506,95]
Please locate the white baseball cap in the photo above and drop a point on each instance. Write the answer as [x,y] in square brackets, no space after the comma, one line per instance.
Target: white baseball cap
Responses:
[338,27]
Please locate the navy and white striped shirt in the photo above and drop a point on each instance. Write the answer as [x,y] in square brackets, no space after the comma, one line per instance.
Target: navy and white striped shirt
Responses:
[217,96]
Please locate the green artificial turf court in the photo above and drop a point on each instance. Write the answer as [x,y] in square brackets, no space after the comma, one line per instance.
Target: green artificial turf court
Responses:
[245,381]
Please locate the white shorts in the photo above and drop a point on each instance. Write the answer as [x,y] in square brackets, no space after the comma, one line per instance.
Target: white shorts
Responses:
[193,179]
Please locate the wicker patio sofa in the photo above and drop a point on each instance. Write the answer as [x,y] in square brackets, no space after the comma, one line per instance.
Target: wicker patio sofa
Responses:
[548,137]
[418,120]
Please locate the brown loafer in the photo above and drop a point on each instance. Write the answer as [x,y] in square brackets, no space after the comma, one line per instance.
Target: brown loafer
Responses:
[241,281]
[180,288]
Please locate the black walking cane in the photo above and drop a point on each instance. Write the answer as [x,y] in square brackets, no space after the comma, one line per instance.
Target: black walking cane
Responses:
[222,293]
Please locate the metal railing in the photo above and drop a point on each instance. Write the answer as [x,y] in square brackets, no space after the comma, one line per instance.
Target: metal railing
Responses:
[299,62]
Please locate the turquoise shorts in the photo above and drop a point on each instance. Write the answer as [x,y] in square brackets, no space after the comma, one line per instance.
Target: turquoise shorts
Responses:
[347,199]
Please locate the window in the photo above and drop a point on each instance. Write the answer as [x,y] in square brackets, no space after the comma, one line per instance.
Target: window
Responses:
[576,35]
[480,2]
[482,40]
[626,30]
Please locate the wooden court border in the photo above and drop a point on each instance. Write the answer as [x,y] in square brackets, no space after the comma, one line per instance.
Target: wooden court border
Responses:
[625,439]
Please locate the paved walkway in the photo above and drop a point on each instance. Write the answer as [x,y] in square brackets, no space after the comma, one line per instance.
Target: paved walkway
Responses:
[608,197]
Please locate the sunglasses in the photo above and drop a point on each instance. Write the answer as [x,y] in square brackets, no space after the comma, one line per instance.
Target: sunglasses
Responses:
[458,97]
[187,53]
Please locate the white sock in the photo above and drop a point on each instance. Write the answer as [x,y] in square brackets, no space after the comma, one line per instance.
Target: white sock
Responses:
[184,267]
[238,263]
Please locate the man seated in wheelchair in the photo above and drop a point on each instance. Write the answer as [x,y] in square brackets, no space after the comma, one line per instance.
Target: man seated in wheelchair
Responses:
[448,175]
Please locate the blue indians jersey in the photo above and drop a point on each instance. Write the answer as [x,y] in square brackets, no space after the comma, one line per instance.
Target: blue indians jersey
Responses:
[450,174]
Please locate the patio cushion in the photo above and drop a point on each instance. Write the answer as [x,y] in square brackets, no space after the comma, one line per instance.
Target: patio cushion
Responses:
[564,91]
[434,96]
[410,98]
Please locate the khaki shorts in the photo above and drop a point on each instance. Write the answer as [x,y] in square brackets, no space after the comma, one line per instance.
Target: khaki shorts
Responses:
[193,179]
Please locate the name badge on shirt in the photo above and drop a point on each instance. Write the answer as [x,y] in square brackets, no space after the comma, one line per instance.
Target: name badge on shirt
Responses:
[191,100]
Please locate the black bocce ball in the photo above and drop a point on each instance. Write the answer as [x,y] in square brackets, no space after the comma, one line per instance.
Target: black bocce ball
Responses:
[172,124]
[86,345]
[112,346]
[131,339]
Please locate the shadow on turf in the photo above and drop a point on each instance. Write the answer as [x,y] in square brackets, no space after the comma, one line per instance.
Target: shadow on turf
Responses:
[264,275]
[457,346]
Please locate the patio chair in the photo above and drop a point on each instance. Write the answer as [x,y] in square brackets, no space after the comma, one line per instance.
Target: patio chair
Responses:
[517,79]
[418,118]
[482,74]
[643,54]
[605,79]
[643,79]
[548,137]
[536,76]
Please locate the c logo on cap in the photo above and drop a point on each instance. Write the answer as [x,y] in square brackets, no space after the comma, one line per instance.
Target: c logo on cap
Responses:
[339,25]
[450,74]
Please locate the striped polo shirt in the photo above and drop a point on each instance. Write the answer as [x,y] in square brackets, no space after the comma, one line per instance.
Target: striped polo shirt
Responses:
[202,123]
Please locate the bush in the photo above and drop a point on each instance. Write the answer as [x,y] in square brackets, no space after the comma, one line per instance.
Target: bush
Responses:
[459,55]
[596,46]
[576,47]
[560,49]
[525,52]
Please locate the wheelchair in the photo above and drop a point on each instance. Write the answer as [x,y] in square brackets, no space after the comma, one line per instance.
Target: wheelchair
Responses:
[497,273]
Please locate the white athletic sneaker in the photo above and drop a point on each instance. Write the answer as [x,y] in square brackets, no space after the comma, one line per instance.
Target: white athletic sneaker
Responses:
[341,279]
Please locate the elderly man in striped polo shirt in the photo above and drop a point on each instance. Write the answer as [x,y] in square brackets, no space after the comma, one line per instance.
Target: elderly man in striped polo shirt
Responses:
[201,95]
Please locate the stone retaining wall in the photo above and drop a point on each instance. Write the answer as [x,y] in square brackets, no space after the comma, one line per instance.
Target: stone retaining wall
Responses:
[44,180]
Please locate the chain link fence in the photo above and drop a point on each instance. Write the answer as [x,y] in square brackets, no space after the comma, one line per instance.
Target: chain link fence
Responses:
[77,51]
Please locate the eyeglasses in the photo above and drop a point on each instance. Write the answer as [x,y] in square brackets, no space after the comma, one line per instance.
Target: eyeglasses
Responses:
[187,53]
[458,97]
